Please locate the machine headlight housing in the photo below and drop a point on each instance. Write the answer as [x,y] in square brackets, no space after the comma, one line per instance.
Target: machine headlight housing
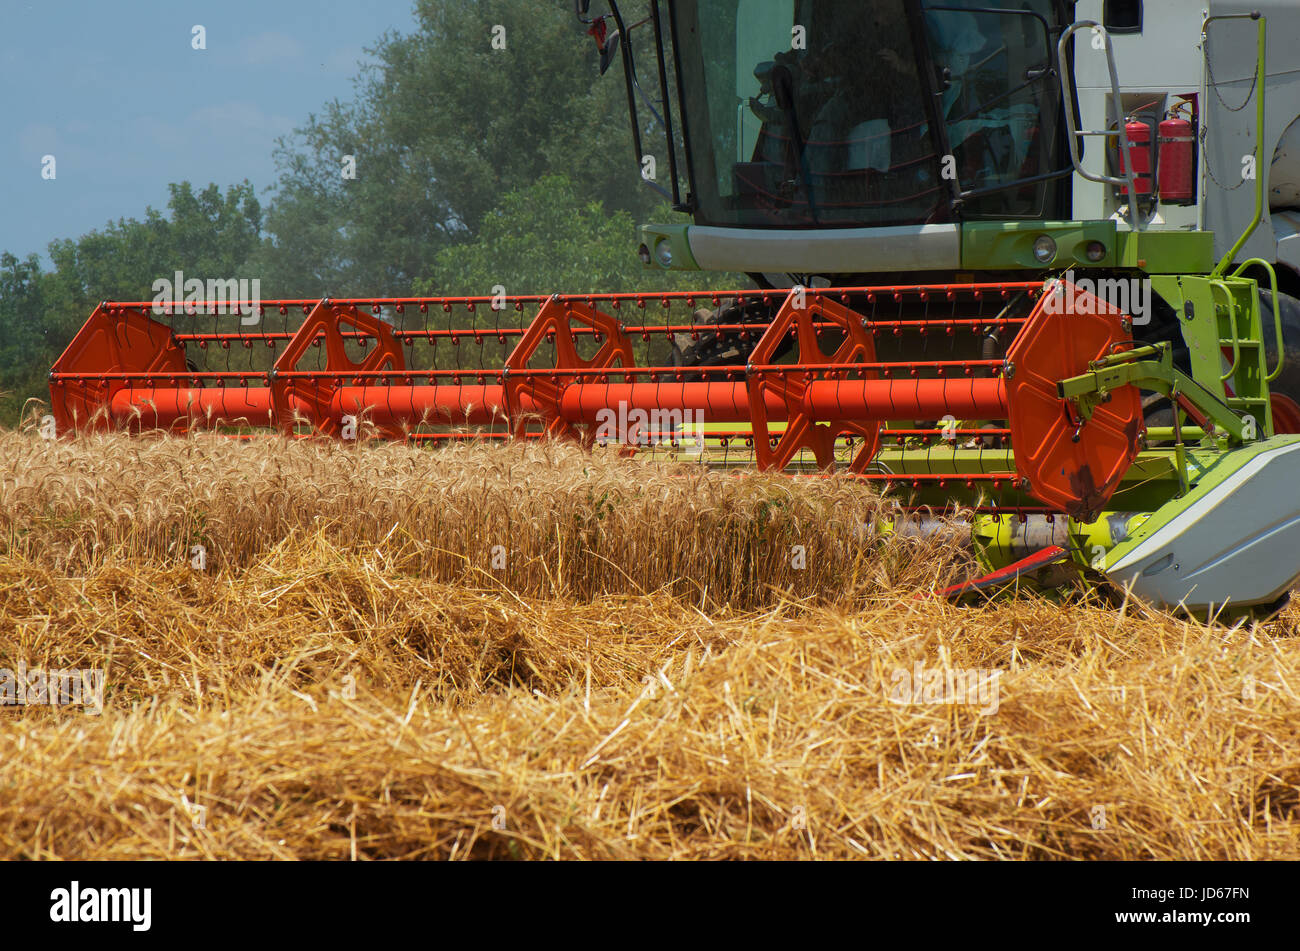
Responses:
[664,253]
[1045,249]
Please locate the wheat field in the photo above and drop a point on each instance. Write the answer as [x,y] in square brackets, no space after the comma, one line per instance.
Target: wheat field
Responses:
[314,650]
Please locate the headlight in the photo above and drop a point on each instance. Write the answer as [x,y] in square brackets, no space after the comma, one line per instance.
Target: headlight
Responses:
[1045,249]
[664,253]
[1095,251]
[644,254]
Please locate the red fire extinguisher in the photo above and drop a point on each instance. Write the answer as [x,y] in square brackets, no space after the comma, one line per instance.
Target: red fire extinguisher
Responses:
[1177,162]
[1139,147]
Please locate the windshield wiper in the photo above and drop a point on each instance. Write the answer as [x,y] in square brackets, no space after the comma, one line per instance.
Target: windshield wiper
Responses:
[783,93]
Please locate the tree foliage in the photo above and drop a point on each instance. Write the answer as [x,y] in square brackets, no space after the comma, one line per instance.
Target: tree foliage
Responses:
[443,127]
[206,234]
[22,336]
[547,238]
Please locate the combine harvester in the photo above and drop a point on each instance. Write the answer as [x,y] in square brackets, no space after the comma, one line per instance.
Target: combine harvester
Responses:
[991,276]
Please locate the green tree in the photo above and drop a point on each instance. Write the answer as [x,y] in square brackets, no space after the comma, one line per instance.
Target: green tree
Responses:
[208,234]
[443,126]
[22,343]
[547,238]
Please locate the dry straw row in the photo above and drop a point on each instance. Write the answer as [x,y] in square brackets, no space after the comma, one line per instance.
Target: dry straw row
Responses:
[316,706]
[650,677]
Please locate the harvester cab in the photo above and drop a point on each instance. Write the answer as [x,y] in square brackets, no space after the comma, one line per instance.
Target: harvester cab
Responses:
[1007,257]
[858,140]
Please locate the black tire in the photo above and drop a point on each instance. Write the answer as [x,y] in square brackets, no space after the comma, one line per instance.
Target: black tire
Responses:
[1288,381]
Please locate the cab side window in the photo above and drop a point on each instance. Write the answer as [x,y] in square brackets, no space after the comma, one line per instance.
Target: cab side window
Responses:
[1123,16]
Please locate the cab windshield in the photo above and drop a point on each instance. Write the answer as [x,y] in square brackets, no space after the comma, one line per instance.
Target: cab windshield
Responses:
[813,113]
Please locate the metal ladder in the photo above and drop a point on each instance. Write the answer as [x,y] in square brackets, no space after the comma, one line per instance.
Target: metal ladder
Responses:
[1240,329]
[1068,93]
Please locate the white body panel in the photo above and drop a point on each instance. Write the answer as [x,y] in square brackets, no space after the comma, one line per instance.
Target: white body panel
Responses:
[1167,59]
[1286,230]
[1164,58]
[830,251]
[1239,543]
[1284,175]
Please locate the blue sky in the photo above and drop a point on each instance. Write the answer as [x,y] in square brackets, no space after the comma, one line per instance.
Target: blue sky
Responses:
[115,92]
